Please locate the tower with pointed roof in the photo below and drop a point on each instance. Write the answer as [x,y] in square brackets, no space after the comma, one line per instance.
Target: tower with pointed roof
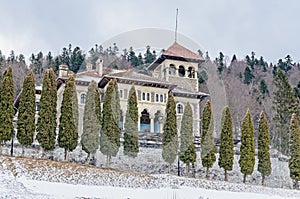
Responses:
[177,65]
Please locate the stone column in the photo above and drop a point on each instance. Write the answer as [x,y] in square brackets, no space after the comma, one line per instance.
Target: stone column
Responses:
[139,123]
[167,73]
[186,73]
[151,124]
[176,71]
[160,124]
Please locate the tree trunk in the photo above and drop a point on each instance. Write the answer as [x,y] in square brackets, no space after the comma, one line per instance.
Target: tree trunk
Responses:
[244,181]
[207,173]
[225,176]
[23,151]
[169,168]
[193,170]
[1,144]
[188,169]
[66,154]
[87,160]
[263,180]
[43,153]
[296,185]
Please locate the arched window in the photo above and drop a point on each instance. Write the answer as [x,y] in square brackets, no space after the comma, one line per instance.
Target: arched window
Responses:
[179,109]
[83,98]
[181,71]
[172,70]
[191,72]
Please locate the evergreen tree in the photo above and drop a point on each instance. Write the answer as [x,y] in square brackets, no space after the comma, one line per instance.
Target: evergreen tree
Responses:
[170,137]
[110,135]
[6,106]
[208,148]
[234,59]
[247,150]
[26,115]
[263,87]
[226,145]
[68,131]
[149,57]
[46,125]
[294,144]
[284,104]
[76,59]
[220,62]
[91,123]
[248,76]
[187,147]
[264,161]
[131,134]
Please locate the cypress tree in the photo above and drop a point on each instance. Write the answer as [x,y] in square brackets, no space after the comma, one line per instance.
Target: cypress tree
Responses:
[169,136]
[91,122]
[46,125]
[294,144]
[285,104]
[187,147]
[6,106]
[110,135]
[68,131]
[131,134]
[264,161]
[226,145]
[247,157]
[208,148]
[26,115]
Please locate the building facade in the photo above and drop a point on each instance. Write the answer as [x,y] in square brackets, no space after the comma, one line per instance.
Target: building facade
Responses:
[175,69]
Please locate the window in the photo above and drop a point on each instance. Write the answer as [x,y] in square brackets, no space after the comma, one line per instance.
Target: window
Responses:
[37,106]
[156,97]
[143,96]
[172,70]
[161,98]
[179,109]
[121,93]
[181,71]
[82,98]
[148,96]
[191,72]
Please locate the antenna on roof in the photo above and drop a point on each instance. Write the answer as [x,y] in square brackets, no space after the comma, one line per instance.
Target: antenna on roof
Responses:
[176,25]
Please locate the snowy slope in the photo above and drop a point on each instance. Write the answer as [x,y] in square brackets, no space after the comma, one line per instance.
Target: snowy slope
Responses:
[42,178]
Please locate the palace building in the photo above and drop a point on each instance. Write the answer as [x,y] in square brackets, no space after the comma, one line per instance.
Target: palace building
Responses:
[175,69]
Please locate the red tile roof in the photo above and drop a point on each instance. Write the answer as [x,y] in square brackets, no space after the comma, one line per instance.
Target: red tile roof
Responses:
[180,51]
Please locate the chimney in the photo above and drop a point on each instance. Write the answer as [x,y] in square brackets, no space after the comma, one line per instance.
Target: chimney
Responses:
[63,71]
[89,66]
[99,66]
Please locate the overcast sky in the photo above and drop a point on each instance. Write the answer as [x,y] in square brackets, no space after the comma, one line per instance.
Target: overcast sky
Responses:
[269,27]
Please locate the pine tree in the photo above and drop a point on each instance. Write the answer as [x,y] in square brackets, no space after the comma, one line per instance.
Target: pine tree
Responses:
[46,126]
[187,147]
[284,104]
[294,144]
[91,122]
[226,145]
[264,161]
[247,150]
[6,106]
[208,148]
[110,134]
[131,134]
[26,115]
[68,131]
[170,137]
[248,76]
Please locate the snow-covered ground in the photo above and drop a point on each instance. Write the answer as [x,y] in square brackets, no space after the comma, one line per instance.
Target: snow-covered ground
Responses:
[43,178]
[149,161]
